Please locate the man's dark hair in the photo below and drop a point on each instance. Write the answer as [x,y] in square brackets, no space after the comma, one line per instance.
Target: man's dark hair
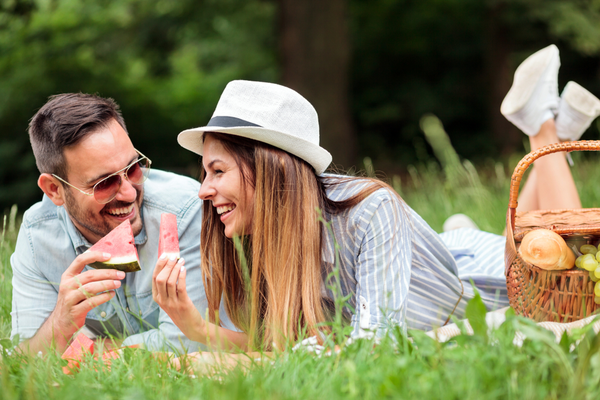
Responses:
[63,121]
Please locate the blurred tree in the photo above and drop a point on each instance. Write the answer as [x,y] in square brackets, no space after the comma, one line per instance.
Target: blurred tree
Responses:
[499,76]
[574,25]
[165,62]
[315,60]
[411,58]
[456,59]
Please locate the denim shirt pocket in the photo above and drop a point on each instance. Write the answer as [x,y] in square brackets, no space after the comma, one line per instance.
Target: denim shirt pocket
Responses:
[142,311]
[104,320]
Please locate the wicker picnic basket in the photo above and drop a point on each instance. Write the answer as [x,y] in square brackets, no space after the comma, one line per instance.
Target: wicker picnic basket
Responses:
[559,296]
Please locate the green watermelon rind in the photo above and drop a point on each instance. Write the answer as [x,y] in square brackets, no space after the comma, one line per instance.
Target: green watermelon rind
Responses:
[119,239]
[125,264]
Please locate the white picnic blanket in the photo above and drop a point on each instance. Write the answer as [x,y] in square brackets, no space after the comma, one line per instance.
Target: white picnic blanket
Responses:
[495,318]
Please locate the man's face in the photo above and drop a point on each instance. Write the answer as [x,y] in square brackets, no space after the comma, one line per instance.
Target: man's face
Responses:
[98,155]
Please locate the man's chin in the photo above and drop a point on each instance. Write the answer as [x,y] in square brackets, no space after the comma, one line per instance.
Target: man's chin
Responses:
[136,225]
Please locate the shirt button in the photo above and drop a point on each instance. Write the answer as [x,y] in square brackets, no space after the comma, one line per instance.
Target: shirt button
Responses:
[103,314]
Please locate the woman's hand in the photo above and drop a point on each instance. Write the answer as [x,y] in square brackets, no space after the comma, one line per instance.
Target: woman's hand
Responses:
[169,292]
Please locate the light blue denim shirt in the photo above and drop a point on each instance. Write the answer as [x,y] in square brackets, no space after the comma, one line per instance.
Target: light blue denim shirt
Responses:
[48,242]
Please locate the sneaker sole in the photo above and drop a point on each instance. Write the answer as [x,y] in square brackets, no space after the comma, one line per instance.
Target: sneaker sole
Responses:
[581,99]
[526,78]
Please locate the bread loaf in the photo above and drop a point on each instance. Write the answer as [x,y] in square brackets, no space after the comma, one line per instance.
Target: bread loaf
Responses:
[547,250]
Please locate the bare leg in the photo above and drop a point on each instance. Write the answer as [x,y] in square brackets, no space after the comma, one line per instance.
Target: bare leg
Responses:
[550,185]
[528,195]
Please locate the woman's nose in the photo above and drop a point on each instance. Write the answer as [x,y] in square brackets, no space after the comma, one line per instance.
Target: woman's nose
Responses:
[206,190]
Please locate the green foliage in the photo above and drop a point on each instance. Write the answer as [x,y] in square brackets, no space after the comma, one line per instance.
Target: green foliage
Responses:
[417,57]
[457,187]
[574,22]
[8,237]
[165,62]
[475,313]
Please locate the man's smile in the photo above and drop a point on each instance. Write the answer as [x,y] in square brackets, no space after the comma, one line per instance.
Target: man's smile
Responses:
[120,211]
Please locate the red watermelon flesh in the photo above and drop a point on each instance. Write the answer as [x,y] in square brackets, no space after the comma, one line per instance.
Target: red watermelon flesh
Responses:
[168,241]
[80,346]
[120,244]
[108,356]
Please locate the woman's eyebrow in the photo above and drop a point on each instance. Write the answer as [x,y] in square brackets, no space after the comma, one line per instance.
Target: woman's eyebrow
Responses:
[210,164]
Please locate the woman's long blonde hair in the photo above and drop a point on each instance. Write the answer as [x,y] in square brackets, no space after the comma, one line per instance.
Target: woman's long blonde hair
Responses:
[282,252]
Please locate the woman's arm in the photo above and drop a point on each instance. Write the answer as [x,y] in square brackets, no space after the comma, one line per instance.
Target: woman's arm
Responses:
[382,262]
[169,292]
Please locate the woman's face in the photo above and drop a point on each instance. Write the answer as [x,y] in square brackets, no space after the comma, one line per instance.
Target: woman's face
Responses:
[222,186]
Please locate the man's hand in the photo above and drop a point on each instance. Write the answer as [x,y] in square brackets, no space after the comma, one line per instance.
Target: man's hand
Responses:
[77,295]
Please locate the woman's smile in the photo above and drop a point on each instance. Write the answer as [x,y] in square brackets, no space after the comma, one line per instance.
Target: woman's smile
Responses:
[225,211]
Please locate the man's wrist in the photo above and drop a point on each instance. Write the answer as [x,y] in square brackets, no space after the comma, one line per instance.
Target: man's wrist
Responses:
[60,332]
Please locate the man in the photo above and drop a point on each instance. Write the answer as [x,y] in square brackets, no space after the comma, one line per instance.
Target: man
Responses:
[93,179]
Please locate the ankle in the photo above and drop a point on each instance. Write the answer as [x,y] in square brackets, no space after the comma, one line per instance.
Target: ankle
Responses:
[545,136]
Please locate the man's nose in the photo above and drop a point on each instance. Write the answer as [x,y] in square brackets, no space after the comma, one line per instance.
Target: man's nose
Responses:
[127,192]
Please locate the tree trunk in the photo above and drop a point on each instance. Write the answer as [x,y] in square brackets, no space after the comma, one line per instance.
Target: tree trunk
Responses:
[315,60]
[500,76]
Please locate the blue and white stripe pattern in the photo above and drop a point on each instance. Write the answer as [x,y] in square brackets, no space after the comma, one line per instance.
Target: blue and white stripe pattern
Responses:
[407,273]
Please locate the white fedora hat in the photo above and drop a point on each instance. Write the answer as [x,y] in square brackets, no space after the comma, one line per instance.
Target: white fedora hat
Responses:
[268,113]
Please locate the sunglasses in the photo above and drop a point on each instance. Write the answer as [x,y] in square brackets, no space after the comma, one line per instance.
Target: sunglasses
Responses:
[106,189]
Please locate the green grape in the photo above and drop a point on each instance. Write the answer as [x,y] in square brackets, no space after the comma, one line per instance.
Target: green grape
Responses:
[595,275]
[596,299]
[588,249]
[598,256]
[578,261]
[597,289]
[588,262]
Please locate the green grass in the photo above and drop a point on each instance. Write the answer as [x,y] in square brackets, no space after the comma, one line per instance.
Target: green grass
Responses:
[469,367]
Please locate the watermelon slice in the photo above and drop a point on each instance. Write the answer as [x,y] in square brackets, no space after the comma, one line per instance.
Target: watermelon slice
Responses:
[120,244]
[168,241]
[108,356]
[80,346]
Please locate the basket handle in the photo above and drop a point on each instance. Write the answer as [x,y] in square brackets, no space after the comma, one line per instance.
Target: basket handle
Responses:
[515,182]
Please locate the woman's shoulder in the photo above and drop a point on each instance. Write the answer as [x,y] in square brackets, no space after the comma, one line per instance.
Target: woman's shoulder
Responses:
[343,187]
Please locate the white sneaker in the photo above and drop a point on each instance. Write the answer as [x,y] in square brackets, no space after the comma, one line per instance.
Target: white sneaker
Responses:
[576,111]
[533,97]
[458,221]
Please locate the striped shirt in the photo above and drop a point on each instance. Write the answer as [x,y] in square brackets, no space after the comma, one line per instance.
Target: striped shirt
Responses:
[400,270]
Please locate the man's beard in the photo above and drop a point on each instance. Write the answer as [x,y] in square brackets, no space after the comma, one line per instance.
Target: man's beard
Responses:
[97,223]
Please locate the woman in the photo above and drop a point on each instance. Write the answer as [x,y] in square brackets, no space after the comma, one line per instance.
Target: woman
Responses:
[264,183]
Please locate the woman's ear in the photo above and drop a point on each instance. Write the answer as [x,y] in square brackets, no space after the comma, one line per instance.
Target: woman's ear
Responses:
[52,188]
